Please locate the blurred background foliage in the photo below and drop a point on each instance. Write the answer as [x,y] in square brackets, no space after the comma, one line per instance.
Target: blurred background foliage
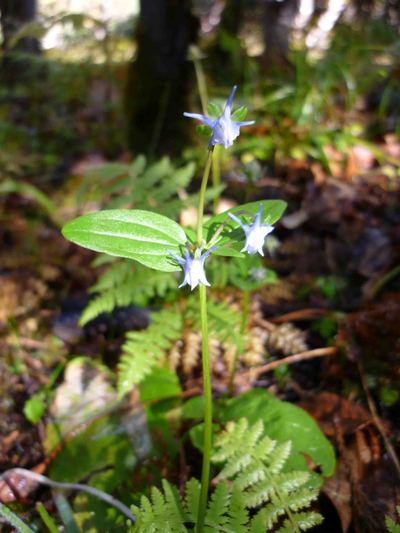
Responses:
[109,78]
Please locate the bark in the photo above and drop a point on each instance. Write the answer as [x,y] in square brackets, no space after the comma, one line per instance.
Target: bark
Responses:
[16,65]
[14,15]
[277,26]
[228,59]
[158,79]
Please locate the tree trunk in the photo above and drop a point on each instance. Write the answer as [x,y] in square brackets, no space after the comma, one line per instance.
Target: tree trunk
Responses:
[158,79]
[227,59]
[277,26]
[16,66]
[14,15]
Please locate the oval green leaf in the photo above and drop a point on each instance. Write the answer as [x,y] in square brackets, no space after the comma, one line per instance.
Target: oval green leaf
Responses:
[231,238]
[143,236]
[284,421]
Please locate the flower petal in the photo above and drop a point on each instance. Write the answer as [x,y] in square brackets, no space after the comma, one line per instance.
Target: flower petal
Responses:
[210,122]
[246,123]
[228,105]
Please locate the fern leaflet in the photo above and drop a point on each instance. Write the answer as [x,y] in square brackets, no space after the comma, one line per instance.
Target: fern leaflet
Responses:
[254,463]
[126,283]
[143,350]
[223,321]
[229,505]
[391,525]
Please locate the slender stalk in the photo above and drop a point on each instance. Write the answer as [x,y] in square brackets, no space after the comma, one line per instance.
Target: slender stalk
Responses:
[201,83]
[205,356]
[216,174]
[203,188]
[207,442]
[202,88]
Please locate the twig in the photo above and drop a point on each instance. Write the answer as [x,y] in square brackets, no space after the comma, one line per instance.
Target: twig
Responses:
[376,419]
[301,314]
[291,359]
[39,478]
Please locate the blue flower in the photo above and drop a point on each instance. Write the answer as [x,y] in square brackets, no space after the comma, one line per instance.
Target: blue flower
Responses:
[255,233]
[193,267]
[224,129]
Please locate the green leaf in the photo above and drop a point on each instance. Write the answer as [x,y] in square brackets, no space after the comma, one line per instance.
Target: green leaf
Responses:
[35,407]
[107,171]
[144,350]
[27,190]
[193,408]
[240,114]
[161,383]
[66,513]
[232,234]
[203,130]
[14,520]
[284,421]
[214,110]
[46,518]
[143,236]
[103,451]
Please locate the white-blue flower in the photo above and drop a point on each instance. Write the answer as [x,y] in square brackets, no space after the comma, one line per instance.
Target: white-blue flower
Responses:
[224,129]
[255,233]
[193,267]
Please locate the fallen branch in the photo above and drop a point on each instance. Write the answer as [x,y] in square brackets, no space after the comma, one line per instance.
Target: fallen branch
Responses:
[11,476]
[291,359]
[300,314]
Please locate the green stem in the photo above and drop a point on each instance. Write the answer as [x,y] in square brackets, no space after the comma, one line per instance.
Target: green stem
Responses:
[202,88]
[207,392]
[201,83]
[203,188]
[205,356]
[216,174]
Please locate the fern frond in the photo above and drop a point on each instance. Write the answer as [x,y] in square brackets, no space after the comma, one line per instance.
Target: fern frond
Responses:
[280,496]
[161,514]
[302,521]
[154,187]
[391,525]
[265,519]
[217,508]
[104,303]
[126,283]
[192,500]
[143,350]
[223,321]
[238,516]
[254,463]
[117,273]
[278,457]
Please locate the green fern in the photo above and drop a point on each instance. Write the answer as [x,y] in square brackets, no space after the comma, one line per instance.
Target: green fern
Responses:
[251,462]
[143,350]
[391,525]
[126,283]
[157,187]
[255,465]
[223,321]
[162,513]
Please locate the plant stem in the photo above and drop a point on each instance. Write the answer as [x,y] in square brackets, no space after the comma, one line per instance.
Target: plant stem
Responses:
[200,211]
[216,174]
[201,83]
[202,88]
[207,392]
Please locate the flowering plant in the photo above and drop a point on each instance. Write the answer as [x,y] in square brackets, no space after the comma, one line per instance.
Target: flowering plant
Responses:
[160,243]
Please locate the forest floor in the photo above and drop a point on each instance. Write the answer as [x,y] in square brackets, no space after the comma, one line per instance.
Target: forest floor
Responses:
[338,242]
